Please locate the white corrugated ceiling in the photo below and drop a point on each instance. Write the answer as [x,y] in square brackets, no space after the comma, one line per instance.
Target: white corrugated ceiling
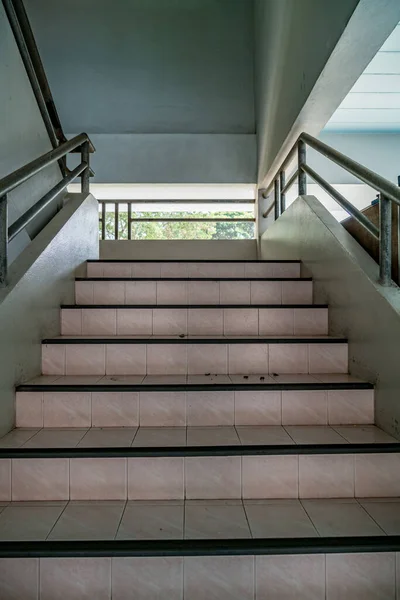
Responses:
[374,102]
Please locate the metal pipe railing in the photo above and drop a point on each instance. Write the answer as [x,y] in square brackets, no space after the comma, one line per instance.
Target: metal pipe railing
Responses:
[345,204]
[291,181]
[37,208]
[117,217]
[8,183]
[388,191]
[379,183]
[30,70]
[20,176]
[28,41]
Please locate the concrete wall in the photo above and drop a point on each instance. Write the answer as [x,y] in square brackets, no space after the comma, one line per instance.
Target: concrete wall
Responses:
[139,68]
[179,249]
[23,134]
[293,43]
[40,279]
[173,158]
[347,279]
[308,56]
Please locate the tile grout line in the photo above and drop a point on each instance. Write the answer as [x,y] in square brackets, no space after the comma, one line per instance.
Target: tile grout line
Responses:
[371,517]
[311,521]
[59,516]
[122,514]
[247,518]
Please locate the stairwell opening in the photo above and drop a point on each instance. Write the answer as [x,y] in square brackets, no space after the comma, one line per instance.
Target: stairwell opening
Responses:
[175,212]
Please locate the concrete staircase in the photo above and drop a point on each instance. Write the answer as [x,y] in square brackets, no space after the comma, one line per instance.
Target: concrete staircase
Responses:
[195,434]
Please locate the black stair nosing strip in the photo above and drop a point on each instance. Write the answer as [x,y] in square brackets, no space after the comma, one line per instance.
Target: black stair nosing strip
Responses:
[200,451]
[193,279]
[190,260]
[199,547]
[191,340]
[196,306]
[197,387]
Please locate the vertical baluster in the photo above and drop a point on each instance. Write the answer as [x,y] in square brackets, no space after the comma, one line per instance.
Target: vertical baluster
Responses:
[385,240]
[85,176]
[302,159]
[116,222]
[3,240]
[129,220]
[103,220]
[282,181]
[276,198]
[398,238]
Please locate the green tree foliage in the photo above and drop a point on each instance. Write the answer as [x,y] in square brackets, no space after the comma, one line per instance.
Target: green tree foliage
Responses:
[180,231]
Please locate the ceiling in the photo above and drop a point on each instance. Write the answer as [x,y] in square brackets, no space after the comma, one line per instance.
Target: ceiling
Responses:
[373,104]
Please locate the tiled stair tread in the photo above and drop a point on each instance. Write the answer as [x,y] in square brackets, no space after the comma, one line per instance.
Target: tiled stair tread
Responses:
[194,279]
[192,260]
[210,339]
[113,381]
[198,519]
[153,437]
[193,306]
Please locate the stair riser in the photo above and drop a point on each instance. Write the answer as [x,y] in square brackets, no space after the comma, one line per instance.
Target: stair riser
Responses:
[195,321]
[201,477]
[304,576]
[193,292]
[193,359]
[193,270]
[194,409]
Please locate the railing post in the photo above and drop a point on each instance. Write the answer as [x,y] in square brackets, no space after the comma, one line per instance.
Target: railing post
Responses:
[385,240]
[276,198]
[282,181]
[85,177]
[3,240]
[302,159]
[103,220]
[398,238]
[116,220]
[129,220]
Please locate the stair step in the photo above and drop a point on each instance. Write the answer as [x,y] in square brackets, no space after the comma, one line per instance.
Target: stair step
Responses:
[193,269]
[166,436]
[217,520]
[259,471]
[196,320]
[142,291]
[193,355]
[113,402]
[196,569]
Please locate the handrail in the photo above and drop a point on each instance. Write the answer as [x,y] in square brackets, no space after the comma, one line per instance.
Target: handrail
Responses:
[34,210]
[20,176]
[357,214]
[379,183]
[23,28]
[8,183]
[388,191]
[30,70]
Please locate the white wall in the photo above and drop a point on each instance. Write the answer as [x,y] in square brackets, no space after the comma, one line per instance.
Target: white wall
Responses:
[23,134]
[40,280]
[346,278]
[179,249]
[143,72]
